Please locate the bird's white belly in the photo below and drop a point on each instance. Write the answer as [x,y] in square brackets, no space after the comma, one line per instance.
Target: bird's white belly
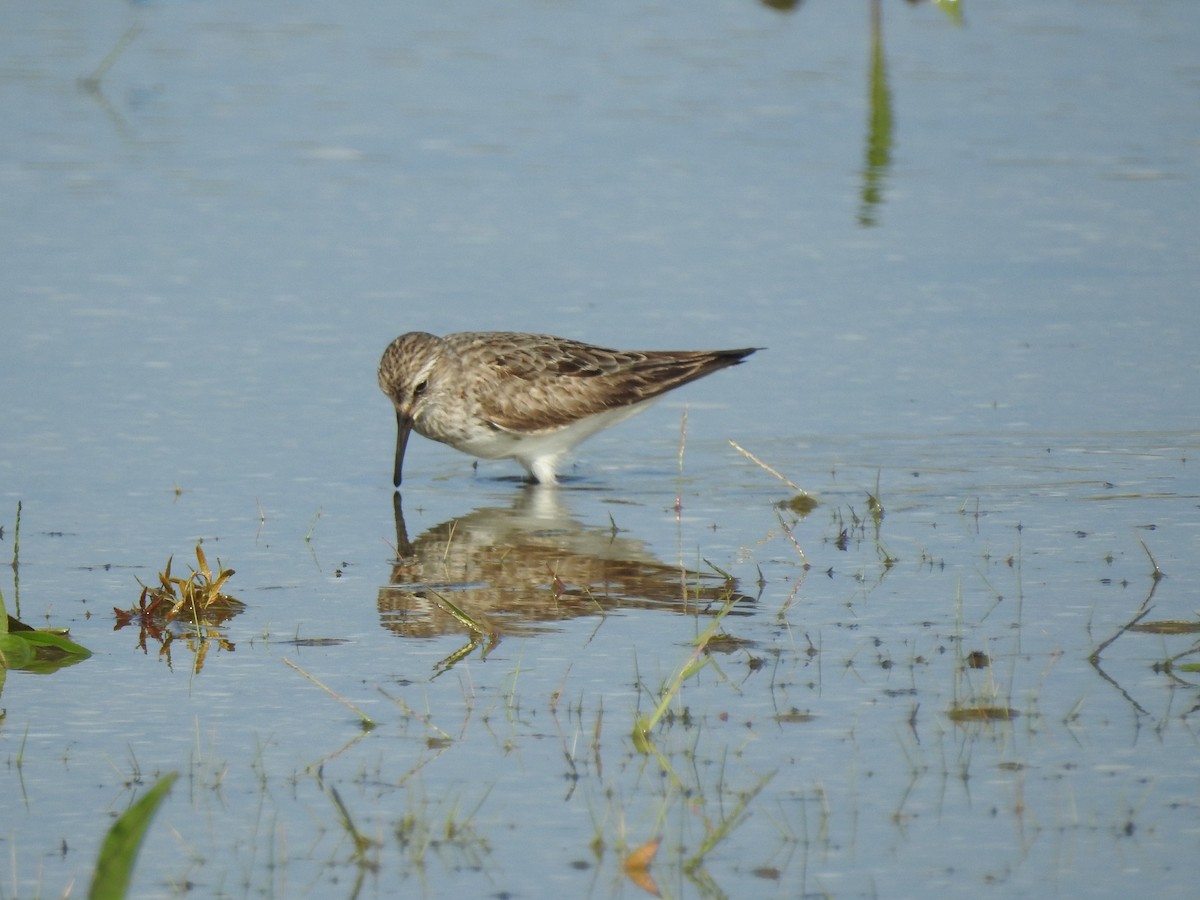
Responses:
[486,441]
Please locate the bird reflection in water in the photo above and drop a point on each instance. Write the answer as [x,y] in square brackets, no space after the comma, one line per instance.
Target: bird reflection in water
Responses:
[519,570]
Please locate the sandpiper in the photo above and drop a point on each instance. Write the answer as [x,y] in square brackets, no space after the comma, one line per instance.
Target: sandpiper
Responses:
[528,397]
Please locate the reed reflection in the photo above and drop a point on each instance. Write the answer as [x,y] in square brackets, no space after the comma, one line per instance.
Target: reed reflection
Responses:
[519,570]
[879,128]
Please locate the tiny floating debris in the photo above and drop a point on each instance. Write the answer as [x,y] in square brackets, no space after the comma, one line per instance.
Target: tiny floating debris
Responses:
[977,659]
[794,715]
[800,504]
[982,714]
[724,642]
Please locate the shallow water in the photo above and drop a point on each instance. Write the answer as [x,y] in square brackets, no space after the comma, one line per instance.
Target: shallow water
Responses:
[981,315]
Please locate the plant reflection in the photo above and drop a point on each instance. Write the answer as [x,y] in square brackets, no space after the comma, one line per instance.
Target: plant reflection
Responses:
[879,130]
[1172,666]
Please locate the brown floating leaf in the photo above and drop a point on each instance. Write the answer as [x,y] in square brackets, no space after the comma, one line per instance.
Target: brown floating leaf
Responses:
[637,867]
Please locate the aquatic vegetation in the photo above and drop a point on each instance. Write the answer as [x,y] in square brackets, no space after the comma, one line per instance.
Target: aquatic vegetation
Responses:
[25,647]
[197,601]
[1167,626]
[982,714]
[199,595]
[367,722]
[114,867]
[637,866]
[35,649]
[696,660]
[441,829]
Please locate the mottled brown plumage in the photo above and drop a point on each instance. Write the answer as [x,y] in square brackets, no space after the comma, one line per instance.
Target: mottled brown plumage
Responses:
[529,397]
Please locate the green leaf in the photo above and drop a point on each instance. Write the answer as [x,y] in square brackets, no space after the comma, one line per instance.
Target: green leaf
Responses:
[15,652]
[56,641]
[37,650]
[114,868]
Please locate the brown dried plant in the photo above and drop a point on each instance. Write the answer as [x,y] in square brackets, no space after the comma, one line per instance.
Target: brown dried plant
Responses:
[197,600]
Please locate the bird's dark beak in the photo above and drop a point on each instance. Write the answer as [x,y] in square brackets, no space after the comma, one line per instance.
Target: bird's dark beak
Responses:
[403,428]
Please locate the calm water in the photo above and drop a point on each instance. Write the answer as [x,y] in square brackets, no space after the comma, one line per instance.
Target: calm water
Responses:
[970,254]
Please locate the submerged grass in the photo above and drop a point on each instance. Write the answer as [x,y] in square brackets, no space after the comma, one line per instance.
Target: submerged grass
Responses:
[758,462]
[367,722]
[694,662]
[423,830]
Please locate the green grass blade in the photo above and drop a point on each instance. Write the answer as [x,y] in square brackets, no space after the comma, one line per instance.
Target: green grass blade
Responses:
[114,868]
[459,614]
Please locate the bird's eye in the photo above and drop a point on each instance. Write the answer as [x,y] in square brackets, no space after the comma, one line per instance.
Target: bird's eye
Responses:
[420,389]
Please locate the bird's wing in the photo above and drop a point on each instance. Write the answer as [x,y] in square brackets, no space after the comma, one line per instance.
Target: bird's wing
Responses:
[546,384]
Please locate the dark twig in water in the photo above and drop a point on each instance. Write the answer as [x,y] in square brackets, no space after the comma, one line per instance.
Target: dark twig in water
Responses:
[1158,573]
[1094,659]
